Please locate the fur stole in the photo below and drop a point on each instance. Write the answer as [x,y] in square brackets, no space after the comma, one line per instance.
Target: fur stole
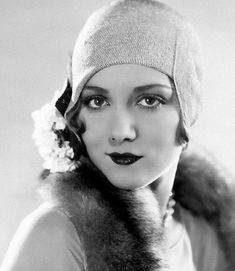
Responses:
[119,229]
[122,229]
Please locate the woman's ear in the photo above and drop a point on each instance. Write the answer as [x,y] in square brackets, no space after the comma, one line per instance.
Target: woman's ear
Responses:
[185,146]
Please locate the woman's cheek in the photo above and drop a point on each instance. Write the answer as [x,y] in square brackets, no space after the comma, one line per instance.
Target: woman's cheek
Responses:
[94,132]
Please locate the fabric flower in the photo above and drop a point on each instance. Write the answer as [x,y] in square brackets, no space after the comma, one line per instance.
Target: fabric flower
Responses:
[57,153]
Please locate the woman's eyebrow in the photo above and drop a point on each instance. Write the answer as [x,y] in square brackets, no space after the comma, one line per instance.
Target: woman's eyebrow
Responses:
[135,90]
[150,86]
[102,90]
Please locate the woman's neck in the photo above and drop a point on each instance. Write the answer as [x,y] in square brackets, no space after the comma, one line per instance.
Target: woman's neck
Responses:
[162,187]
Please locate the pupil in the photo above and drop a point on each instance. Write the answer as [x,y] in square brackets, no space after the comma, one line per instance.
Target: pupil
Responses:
[150,100]
[98,101]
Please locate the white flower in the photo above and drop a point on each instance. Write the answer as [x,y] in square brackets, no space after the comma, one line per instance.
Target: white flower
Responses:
[58,156]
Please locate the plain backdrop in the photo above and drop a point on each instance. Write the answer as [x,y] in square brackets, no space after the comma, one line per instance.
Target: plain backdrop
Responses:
[36,37]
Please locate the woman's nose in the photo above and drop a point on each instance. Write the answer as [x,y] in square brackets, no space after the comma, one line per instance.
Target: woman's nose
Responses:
[123,129]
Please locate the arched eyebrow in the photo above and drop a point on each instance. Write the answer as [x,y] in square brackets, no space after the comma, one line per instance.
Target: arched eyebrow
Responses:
[135,90]
[149,87]
[96,88]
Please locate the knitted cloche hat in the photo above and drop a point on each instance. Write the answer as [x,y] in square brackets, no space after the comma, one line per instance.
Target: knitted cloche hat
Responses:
[144,32]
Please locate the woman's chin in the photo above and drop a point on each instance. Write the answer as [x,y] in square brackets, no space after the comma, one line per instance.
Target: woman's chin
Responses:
[127,184]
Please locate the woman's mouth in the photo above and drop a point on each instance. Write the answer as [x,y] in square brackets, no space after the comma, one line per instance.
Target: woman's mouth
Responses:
[124,159]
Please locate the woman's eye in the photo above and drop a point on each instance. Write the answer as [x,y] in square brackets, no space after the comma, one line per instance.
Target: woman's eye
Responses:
[96,102]
[151,101]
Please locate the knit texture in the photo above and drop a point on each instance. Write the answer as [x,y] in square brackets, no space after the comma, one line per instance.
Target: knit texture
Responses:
[147,33]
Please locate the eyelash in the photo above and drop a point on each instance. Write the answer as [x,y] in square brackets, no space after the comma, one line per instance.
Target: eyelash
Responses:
[86,101]
[160,100]
[156,98]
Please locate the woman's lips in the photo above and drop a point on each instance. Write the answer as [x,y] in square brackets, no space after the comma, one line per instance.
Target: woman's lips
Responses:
[124,159]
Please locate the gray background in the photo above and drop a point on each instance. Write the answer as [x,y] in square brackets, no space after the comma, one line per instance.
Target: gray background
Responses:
[35,39]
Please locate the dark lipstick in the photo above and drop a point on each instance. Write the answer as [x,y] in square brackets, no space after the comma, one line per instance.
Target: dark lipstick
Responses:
[124,159]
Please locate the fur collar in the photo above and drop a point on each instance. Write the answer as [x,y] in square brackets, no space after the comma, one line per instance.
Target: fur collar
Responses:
[124,228]
[116,227]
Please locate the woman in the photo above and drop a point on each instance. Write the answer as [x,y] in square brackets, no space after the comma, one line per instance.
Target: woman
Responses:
[122,190]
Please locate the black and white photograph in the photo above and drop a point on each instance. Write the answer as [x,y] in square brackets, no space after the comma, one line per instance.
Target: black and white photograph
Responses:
[117,138]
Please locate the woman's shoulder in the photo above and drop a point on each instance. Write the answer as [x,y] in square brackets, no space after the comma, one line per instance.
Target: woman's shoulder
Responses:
[47,223]
[45,240]
[47,216]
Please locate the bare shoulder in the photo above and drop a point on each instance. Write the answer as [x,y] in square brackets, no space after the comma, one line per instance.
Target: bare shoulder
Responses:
[45,240]
[47,220]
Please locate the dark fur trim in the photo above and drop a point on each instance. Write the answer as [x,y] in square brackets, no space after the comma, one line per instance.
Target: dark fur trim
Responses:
[117,228]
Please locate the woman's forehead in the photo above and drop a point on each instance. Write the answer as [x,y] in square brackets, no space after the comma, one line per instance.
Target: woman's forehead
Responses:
[125,80]
[129,75]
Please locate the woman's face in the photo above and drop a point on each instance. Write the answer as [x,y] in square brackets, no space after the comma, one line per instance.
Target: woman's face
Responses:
[131,119]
